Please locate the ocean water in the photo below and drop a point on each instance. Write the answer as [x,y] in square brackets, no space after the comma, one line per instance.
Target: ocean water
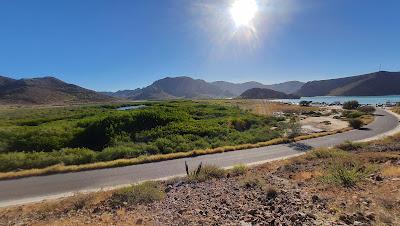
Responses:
[373,100]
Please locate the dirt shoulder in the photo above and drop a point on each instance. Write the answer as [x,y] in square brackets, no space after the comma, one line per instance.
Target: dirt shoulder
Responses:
[358,184]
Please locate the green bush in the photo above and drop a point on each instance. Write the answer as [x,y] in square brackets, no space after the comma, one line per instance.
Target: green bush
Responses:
[351,105]
[352,114]
[143,193]
[28,160]
[355,123]
[305,103]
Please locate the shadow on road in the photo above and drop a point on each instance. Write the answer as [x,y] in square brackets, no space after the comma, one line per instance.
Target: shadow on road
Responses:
[300,147]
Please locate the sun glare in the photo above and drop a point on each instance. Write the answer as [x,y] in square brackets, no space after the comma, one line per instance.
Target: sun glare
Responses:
[243,12]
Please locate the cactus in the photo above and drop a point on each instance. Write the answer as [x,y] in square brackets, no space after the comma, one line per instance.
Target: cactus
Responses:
[195,172]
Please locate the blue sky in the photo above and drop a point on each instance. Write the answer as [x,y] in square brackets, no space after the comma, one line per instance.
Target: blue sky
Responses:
[125,44]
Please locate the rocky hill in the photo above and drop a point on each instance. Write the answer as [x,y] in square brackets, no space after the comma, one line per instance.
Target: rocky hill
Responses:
[373,84]
[261,93]
[46,90]
[238,88]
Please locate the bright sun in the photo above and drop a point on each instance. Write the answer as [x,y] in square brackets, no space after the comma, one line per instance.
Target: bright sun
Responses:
[243,12]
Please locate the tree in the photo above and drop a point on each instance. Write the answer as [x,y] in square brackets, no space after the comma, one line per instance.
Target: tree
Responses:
[351,105]
[305,103]
[356,123]
[294,130]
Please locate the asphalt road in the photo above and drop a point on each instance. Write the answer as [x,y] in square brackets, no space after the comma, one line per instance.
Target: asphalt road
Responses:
[32,189]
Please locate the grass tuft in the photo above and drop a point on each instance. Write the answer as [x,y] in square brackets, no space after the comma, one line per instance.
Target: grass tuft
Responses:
[238,170]
[146,192]
[347,172]
[206,172]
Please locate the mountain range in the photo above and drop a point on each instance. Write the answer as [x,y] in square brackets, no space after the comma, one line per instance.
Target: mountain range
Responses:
[186,87]
[373,84]
[46,90]
[50,90]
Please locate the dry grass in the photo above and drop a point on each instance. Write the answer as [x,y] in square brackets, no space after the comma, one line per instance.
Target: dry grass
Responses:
[315,135]
[396,110]
[264,107]
[367,119]
[391,171]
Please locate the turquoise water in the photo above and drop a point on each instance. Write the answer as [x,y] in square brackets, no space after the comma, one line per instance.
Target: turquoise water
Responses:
[361,99]
[131,107]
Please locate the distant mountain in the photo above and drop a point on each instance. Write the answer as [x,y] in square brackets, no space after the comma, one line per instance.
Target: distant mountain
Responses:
[46,90]
[186,87]
[261,93]
[174,88]
[239,88]
[123,93]
[373,84]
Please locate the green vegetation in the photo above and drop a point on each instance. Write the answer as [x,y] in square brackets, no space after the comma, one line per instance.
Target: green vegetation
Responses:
[305,103]
[238,170]
[146,192]
[351,105]
[327,153]
[42,137]
[347,172]
[355,123]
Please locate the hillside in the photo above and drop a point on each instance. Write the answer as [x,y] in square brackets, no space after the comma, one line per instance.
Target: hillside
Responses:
[239,88]
[260,93]
[46,90]
[174,88]
[373,84]
[186,87]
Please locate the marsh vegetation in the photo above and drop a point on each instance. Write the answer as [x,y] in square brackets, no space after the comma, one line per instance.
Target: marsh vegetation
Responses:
[41,137]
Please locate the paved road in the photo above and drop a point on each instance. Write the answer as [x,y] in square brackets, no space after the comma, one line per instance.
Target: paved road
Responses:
[31,189]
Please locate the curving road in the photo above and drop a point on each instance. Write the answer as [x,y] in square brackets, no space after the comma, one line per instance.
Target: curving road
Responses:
[25,190]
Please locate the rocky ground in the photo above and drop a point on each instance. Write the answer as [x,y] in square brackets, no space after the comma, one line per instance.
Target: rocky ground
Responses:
[299,191]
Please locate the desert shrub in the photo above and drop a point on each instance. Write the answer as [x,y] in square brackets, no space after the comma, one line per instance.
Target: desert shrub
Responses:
[206,172]
[294,130]
[355,123]
[271,193]
[325,153]
[350,146]
[238,170]
[347,172]
[351,105]
[143,193]
[366,109]
[251,182]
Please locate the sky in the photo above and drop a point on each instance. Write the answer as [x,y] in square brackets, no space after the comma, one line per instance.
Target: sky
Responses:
[110,45]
